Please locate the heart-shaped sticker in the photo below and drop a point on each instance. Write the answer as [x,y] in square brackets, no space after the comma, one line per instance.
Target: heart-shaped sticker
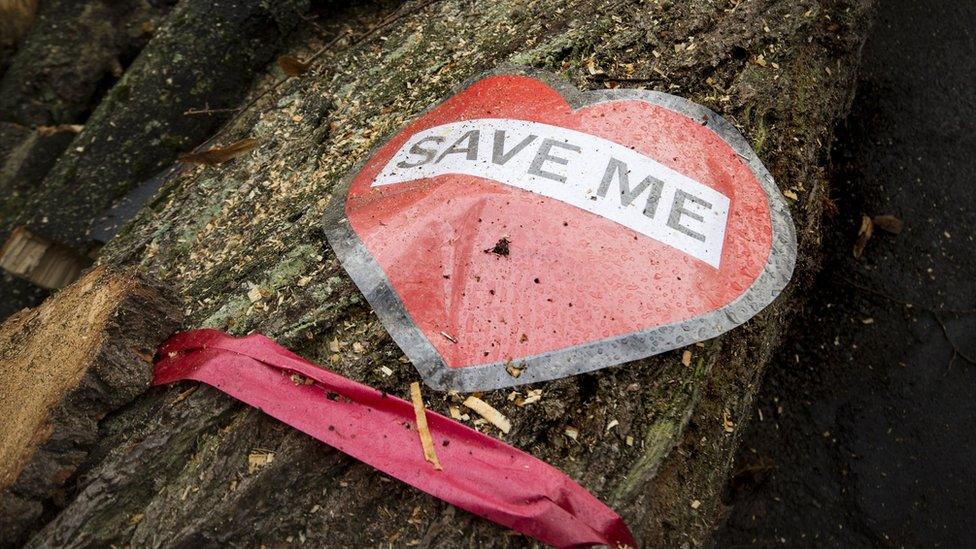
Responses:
[523,230]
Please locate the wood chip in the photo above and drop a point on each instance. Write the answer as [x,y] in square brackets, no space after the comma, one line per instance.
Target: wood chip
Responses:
[421,414]
[571,432]
[219,155]
[485,410]
[686,358]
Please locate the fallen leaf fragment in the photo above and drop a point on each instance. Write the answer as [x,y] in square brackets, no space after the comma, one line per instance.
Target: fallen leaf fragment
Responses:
[513,371]
[571,432]
[485,410]
[219,155]
[292,66]
[695,504]
[421,414]
[888,223]
[863,235]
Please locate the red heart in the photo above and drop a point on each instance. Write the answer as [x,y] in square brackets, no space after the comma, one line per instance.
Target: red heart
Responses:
[571,277]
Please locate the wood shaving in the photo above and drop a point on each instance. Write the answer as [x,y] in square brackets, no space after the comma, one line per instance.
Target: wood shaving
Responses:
[532,395]
[299,379]
[257,460]
[727,423]
[492,415]
[421,414]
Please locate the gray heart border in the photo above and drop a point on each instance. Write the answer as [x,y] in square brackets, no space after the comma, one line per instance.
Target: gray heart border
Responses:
[373,283]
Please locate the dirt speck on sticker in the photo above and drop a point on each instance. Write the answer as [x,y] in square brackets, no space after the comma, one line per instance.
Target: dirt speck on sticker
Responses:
[501,247]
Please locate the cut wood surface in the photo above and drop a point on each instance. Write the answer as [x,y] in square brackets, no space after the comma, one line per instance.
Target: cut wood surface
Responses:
[63,366]
[37,259]
[241,243]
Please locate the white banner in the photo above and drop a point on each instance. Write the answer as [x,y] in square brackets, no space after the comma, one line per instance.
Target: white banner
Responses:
[594,174]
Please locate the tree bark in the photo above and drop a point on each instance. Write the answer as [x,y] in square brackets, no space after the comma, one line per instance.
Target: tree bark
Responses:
[166,473]
[72,52]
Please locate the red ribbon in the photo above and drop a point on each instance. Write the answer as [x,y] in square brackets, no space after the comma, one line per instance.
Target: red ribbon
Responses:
[481,474]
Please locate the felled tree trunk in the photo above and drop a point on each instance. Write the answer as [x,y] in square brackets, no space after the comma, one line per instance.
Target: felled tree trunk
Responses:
[172,468]
[53,68]
[205,54]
